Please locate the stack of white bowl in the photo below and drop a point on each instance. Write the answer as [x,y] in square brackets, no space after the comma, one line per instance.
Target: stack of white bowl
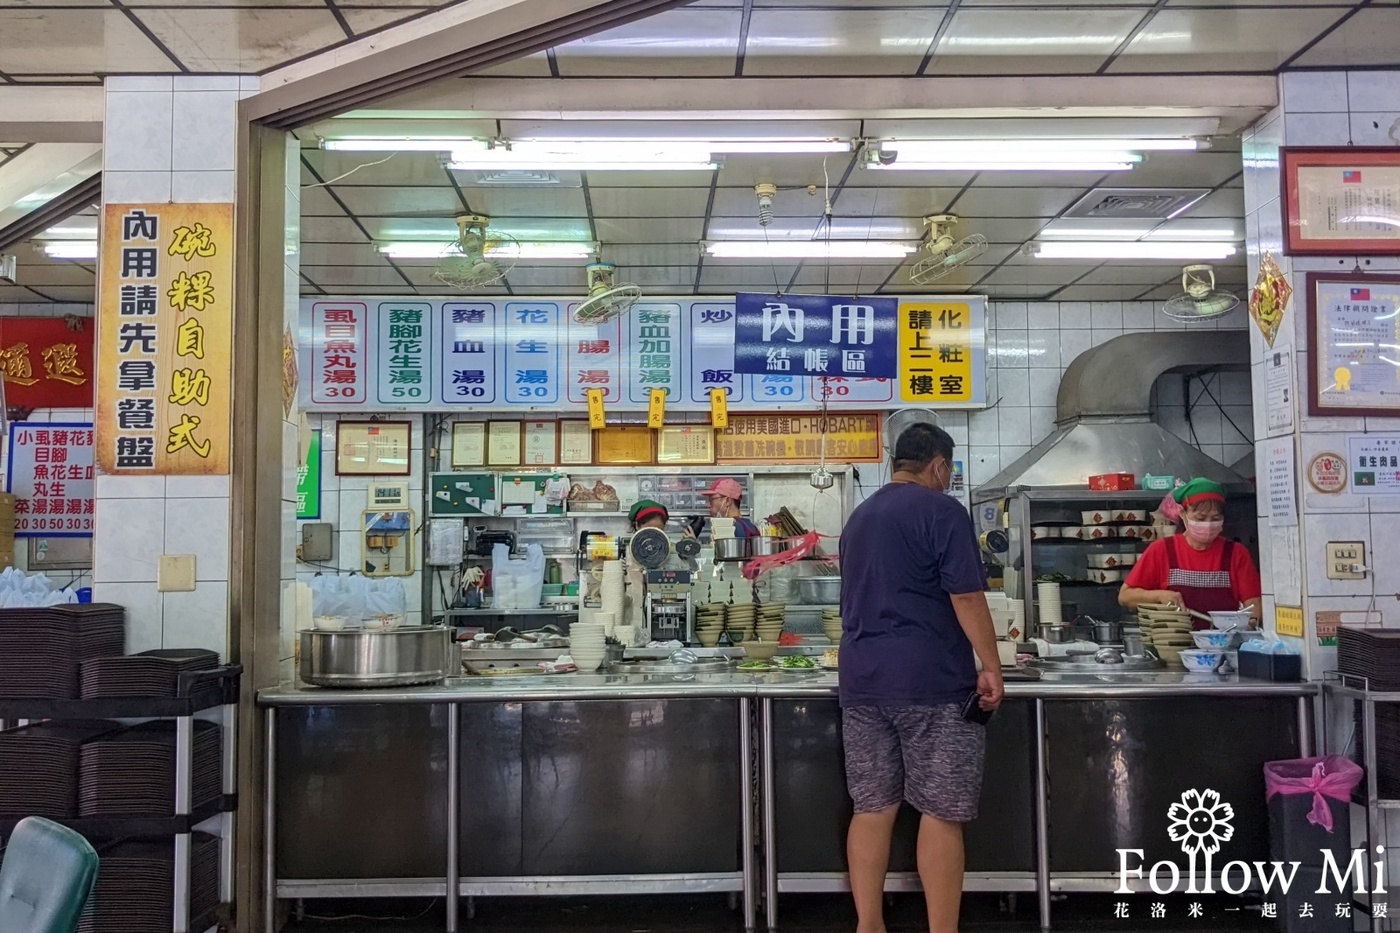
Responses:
[587,645]
[1051,608]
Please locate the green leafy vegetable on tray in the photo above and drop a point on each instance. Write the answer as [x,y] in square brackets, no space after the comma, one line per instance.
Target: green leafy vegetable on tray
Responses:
[797,662]
[755,666]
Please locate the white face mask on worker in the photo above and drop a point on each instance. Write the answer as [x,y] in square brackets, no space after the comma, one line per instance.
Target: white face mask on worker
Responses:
[1204,532]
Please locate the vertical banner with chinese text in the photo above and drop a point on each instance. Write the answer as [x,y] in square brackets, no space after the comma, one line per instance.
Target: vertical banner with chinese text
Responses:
[164,339]
[936,351]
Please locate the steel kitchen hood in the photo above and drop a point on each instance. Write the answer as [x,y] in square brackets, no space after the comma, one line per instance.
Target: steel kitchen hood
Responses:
[1104,423]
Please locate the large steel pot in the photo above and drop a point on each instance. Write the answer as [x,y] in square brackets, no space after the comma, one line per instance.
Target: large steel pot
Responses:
[765,546]
[415,654]
[819,591]
[733,549]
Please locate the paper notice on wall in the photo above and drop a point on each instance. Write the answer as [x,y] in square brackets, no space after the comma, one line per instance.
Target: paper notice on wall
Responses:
[1281,482]
[1286,565]
[1280,395]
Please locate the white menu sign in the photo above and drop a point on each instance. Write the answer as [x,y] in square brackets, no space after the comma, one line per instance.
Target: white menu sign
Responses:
[1281,482]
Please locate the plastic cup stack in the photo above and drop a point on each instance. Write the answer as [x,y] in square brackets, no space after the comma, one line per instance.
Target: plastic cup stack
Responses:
[1051,611]
[612,593]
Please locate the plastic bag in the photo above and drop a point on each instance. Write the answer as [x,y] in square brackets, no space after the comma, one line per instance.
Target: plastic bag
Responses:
[1333,776]
[1267,646]
[386,603]
[337,602]
[517,584]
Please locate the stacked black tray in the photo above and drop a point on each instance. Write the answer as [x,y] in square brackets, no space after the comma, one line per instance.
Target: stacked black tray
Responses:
[134,893]
[41,649]
[148,674]
[1373,654]
[39,767]
[132,773]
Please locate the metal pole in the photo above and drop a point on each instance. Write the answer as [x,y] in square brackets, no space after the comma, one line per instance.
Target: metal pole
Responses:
[1042,818]
[746,804]
[270,823]
[226,821]
[1368,726]
[453,807]
[770,816]
[1305,743]
[184,773]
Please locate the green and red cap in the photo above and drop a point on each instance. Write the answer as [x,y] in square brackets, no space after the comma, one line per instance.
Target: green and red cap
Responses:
[1199,489]
[647,509]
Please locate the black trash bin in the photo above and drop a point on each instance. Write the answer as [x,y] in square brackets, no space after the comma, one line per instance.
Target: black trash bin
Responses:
[1309,803]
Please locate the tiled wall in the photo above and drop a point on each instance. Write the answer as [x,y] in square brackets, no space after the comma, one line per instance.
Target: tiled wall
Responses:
[1029,347]
[167,139]
[1320,109]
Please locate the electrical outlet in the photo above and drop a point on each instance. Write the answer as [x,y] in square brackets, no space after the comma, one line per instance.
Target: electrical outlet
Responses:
[175,573]
[1346,560]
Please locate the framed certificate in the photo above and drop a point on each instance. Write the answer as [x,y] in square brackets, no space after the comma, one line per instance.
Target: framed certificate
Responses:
[469,443]
[503,443]
[624,444]
[1343,200]
[575,443]
[372,448]
[685,443]
[1353,344]
[541,439]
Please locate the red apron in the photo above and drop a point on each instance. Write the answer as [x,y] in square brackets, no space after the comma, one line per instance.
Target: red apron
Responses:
[1203,590]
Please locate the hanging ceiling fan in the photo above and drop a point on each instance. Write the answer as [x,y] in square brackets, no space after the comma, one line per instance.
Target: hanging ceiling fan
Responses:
[897,421]
[480,257]
[606,299]
[944,253]
[1200,300]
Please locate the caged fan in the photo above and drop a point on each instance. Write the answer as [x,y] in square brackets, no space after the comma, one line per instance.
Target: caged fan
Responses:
[1200,299]
[479,258]
[944,254]
[606,299]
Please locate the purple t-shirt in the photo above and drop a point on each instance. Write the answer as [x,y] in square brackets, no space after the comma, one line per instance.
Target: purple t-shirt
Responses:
[904,550]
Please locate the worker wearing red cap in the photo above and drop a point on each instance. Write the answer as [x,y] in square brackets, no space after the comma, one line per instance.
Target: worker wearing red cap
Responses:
[724,497]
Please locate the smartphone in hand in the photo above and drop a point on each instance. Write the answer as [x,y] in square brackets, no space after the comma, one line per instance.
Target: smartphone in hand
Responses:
[972,710]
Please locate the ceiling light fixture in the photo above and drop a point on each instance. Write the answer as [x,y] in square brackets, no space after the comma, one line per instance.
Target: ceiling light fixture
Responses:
[406,144]
[70,249]
[436,249]
[809,249]
[1024,147]
[1130,233]
[618,161]
[988,165]
[1141,249]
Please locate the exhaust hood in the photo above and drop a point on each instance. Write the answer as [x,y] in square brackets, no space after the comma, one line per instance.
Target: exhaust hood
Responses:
[1103,421]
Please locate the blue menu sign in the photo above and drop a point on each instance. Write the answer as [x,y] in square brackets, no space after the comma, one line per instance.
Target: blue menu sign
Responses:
[816,335]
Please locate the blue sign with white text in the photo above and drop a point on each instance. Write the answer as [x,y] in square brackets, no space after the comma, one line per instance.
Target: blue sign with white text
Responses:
[816,335]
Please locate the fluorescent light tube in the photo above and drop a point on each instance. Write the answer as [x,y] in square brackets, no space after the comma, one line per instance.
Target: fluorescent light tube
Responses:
[1131,234]
[988,165]
[419,249]
[678,149]
[1029,146]
[468,162]
[1145,249]
[809,249]
[410,144]
[71,249]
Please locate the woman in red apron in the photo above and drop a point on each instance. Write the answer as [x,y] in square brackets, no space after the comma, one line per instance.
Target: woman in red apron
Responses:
[1198,568]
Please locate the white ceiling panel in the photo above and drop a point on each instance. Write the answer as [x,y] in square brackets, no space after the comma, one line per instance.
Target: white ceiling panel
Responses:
[1368,38]
[1016,202]
[682,230]
[649,202]
[1183,170]
[1114,273]
[844,276]
[752,275]
[960,279]
[72,41]
[860,40]
[1050,179]
[1099,293]
[1052,274]
[650,180]
[902,201]
[884,227]
[1027,41]
[339,254]
[328,229]
[374,201]
[332,277]
[785,171]
[368,19]
[1013,230]
[1227,202]
[317,202]
[1191,40]
[41,273]
[438,290]
[948,181]
[85,294]
[629,256]
[405,168]
[660,279]
[695,42]
[242,40]
[384,229]
[527,202]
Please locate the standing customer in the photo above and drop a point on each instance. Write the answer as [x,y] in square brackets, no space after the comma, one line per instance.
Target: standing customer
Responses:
[724,497]
[913,614]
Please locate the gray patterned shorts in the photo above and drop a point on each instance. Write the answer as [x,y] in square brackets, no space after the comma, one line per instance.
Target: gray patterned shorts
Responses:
[927,755]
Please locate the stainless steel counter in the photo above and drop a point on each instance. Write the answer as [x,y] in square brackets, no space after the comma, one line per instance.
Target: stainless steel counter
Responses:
[650,783]
[738,684]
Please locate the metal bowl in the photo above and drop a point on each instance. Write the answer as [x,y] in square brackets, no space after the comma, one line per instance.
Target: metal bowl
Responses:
[819,591]
[727,549]
[765,546]
[415,654]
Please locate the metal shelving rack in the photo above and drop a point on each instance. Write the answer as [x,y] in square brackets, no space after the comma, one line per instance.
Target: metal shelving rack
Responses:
[199,693]
[1352,690]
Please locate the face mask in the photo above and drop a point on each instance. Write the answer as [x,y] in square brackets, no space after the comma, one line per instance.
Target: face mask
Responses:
[1204,532]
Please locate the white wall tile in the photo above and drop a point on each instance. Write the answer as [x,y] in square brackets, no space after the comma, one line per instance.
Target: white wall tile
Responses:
[1318,529]
[1042,423]
[199,527]
[1044,386]
[1014,389]
[1106,315]
[137,132]
[1139,316]
[1009,314]
[1076,315]
[187,83]
[1014,426]
[983,428]
[144,612]
[1317,129]
[1043,314]
[128,487]
[208,122]
[1043,349]
[1073,343]
[130,536]
[1314,91]
[1371,90]
[196,487]
[135,187]
[1011,350]
[198,619]
[217,187]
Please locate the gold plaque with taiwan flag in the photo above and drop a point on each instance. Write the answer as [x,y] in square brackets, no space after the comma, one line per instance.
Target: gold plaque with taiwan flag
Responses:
[165,339]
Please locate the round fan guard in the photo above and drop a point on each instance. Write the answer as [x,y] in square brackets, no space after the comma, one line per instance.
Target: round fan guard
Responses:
[606,300]
[897,421]
[1200,299]
[464,263]
[944,255]
[650,547]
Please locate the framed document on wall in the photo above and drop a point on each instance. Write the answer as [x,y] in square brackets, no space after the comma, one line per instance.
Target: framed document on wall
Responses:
[1341,201]
[1353,344]
[372,448]
[575,443]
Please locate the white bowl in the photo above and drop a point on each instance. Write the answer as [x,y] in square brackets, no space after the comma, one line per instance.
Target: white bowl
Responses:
[1213,640]
[328,623]
[1235,619]
[384,623]
[1200,660]
[587,660]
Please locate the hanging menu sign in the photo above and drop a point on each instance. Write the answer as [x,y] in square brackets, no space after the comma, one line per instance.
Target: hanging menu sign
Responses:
[526,354]
[50,475]
[165,329]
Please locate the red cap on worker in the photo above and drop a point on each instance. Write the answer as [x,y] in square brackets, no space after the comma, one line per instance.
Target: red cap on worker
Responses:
[728,488]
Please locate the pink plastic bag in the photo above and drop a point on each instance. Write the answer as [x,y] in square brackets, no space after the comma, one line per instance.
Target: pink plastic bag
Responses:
[1333,776]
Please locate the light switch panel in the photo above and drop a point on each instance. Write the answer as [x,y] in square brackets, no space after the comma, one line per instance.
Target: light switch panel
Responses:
[1346,560]
[175,573]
